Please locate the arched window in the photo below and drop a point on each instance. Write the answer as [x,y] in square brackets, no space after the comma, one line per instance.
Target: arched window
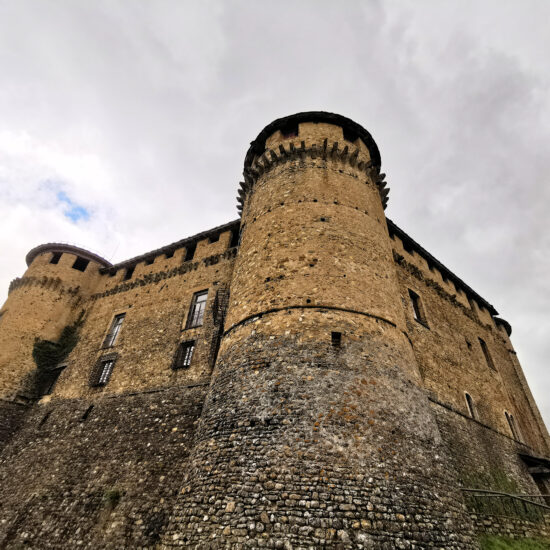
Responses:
[471,405]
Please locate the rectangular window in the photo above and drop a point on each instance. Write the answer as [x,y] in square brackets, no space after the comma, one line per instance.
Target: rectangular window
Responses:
[184,354]
[196,311]
[112,335]
[486,353]
[102,371]
[418,310]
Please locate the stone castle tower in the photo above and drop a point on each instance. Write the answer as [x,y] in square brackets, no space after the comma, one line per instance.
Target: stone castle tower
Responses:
[307,376]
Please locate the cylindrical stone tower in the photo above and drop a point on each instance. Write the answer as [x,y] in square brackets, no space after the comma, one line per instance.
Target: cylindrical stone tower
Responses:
[316,432]
[40,304]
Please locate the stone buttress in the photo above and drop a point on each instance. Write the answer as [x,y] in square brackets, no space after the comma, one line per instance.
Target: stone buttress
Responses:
[315,431]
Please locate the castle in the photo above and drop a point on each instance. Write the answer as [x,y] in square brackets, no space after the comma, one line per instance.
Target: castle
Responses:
[306,376]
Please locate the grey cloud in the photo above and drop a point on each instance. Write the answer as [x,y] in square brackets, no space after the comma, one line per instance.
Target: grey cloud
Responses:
[145,110]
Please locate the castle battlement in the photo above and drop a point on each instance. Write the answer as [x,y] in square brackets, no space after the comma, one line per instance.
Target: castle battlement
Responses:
[305,376]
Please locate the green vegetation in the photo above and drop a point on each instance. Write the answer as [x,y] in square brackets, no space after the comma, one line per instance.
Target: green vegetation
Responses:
[47,355]
[112,497]
[505,543]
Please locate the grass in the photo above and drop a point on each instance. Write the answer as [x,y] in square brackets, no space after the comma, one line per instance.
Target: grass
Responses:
[505,543]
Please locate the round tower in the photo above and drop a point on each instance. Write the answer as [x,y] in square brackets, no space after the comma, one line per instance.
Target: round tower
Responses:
[315,431]
[47,298]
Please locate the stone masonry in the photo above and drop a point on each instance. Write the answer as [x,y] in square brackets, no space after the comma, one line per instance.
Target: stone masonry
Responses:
[307,376]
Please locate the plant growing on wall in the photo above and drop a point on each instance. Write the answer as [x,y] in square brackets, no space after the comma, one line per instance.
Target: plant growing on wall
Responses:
[47,354]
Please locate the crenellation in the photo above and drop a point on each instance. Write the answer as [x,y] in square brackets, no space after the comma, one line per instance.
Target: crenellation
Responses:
[305,376]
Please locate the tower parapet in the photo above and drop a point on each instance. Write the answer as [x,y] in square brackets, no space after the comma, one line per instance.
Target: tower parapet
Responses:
[315,402]
[48,297]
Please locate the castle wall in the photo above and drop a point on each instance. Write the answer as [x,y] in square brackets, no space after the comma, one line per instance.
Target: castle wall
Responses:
[156,303]
[451,359]
[104,477]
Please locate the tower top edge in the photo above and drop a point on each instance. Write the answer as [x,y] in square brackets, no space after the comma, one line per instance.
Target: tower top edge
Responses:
[69,248]
[257,147]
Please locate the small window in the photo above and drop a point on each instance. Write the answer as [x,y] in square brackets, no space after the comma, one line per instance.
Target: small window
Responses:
[149,261]
[290,131]
[102,372]
[213,238]
[234,238]
[196,311]
[190,252]
[112,335]
[486,354]
[336,339]
[418,309]
[184,354]
[56,256]
[471,406]
[169,254]
[129,273]
[80,264]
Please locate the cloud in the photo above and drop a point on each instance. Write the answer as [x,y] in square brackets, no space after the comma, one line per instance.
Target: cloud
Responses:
[144,112]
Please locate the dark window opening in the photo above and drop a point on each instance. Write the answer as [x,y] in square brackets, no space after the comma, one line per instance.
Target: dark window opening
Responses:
[486,353]
[44,419]
[190,252]
[114,330]
[170,254]
[290,131]
[336,339]
[196,311]
[213,238]
[234,238]
[129,273]
[149,261]
[80,263]
[184,355]
[418,308]
[471,406]
[102,372]
[86,413]
[350,135]
[112,273]
[56,257]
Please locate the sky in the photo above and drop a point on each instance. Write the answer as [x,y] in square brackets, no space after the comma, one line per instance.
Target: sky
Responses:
[124,125]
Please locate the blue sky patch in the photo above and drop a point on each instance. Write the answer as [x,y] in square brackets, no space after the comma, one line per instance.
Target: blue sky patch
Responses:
[75,212]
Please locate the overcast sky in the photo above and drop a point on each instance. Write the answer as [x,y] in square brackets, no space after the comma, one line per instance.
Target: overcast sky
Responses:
[124,125]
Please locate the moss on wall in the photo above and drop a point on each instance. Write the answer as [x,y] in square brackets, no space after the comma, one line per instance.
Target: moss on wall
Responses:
[505,543]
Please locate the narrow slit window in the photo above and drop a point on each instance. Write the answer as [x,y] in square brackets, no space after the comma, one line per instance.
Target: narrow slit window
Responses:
[336,339]
[56,256]
[80,264]
[196,311]
[184,355]
[418,309]
[512,426]
[486,353]
[114,330]
[471,406]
